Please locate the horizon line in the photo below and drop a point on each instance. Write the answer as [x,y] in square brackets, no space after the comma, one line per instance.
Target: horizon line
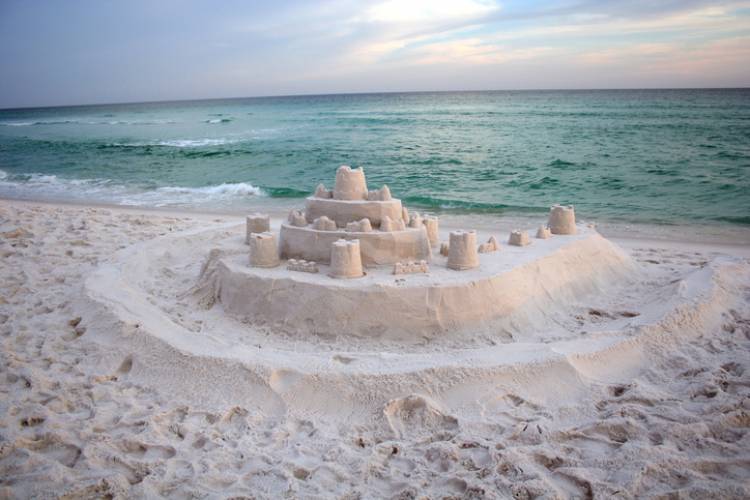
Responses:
[333,94]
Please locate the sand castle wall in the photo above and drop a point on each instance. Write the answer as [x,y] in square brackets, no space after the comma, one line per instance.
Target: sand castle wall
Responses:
[377,247]
[470,301]
[344,212]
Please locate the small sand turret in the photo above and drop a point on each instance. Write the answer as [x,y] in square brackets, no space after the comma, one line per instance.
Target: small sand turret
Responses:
[382,194]
[462,250]
[360,226]
[431,224]
[323,223]
[350,184]
[387,225]
[263,250]
[297,218]
[346,259]
[415,220]
[491,246]
[543,233]
[562,219]
[322,192]
[519,238]
[256,223]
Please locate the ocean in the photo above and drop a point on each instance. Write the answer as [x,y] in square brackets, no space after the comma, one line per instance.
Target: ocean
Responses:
[664,157]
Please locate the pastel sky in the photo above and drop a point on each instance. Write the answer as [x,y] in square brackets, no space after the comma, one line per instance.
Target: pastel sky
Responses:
[69,52]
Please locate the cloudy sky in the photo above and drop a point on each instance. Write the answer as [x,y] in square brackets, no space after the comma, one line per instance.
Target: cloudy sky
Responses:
[54,52]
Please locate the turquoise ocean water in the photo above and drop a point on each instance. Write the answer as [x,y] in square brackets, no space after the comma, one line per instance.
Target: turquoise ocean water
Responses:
[650,156]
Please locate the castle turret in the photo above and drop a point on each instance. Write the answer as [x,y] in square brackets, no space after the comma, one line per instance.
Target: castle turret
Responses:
[346,259]
[263,250]
[256,223]
[350,184]
[543,233]
[431,224]
[519,238]
[562,219]
[462,250]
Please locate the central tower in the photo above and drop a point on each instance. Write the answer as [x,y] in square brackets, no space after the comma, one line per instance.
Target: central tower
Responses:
[350,211]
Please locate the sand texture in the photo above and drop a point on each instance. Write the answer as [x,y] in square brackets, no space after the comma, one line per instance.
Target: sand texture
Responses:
[123,377]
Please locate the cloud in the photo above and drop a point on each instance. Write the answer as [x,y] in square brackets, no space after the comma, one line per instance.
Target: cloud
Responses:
[427,11]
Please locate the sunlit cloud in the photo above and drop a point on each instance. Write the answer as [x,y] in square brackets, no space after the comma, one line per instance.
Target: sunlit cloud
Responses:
[475,51]
[427,11]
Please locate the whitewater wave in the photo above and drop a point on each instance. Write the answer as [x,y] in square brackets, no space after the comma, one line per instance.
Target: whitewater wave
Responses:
[86,122]
[51,187]
[225,194]
[238,188]
[177,143]
[219,120]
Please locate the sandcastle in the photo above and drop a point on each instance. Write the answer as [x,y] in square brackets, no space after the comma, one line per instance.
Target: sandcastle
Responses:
[352,246]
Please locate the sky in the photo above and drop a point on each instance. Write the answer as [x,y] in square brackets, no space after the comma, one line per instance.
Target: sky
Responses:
[84,52]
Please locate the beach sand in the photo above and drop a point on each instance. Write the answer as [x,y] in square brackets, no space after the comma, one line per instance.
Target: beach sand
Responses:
[95,403]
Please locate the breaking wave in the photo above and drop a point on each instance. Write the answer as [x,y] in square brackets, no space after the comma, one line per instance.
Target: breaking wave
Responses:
[177,143]
[52,187]
[85,122]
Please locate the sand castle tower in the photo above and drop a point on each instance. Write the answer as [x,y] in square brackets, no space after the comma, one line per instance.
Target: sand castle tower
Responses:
[519,238]
[462,250]
[350,184]
[431,224]
[562,219]
[350,211]
[543,233]
[263,250]
[346,259]
[256,223]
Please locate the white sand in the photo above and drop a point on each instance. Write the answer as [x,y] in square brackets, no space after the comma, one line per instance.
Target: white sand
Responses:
[639,391]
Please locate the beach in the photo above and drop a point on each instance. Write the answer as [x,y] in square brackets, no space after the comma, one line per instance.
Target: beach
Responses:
[99,400]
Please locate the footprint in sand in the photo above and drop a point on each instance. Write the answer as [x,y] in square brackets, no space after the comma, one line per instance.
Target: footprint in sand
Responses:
[416,415]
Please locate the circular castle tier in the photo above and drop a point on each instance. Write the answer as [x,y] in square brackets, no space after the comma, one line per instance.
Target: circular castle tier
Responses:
[350,211]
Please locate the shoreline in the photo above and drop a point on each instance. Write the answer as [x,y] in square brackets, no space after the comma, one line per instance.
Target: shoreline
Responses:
[731,239]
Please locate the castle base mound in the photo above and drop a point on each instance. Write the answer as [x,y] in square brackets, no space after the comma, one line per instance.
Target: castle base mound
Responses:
[515,285]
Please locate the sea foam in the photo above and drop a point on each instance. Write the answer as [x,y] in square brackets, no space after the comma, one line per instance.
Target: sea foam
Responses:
[52,187]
